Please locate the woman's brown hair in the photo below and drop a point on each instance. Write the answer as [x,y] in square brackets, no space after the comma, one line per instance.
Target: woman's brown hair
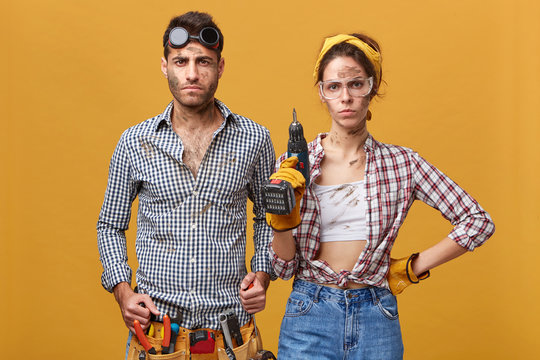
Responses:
[346,49]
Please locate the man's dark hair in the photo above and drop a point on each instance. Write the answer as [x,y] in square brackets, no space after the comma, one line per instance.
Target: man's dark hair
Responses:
[193,22]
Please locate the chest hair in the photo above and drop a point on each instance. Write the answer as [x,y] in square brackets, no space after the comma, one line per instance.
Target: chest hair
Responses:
[195,145]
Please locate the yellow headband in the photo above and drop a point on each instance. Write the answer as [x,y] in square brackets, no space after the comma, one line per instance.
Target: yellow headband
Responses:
[373,56]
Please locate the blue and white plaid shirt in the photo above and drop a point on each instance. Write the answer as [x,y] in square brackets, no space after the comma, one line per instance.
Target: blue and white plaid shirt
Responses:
[191,232]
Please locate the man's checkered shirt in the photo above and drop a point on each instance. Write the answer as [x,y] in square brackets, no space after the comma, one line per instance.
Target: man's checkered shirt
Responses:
[395,177]
[191,232]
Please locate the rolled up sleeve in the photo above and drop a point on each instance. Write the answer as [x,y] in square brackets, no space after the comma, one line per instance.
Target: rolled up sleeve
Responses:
[283,268]
[114,219]
[262,233]
[472,224]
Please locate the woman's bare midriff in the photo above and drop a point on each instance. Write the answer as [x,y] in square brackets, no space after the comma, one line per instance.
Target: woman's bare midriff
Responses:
[342,255]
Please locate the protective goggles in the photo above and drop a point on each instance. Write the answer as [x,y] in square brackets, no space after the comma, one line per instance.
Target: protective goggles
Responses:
[179,37]
[357,87]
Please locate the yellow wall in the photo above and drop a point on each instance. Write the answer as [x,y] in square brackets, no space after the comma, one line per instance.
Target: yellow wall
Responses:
[462,88]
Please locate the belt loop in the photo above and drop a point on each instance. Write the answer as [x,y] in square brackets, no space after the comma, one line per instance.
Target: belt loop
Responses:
[374,296]
[316,294]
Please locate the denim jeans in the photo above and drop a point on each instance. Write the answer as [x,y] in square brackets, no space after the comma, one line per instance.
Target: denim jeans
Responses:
[321,322]
[128,342]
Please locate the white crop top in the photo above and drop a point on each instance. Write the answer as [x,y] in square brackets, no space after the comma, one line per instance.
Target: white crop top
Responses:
[343,211]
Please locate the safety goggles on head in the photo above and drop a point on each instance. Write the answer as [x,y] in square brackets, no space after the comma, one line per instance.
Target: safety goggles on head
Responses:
[357,87]
[179,37]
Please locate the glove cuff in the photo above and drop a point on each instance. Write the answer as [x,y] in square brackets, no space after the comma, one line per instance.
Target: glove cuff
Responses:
[283,230]
[410,275]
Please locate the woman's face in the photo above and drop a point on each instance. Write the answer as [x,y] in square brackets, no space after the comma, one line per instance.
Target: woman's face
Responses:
[347,111]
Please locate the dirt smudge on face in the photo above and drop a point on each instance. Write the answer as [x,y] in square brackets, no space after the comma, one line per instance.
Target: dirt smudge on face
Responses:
[194,49]
[349,71]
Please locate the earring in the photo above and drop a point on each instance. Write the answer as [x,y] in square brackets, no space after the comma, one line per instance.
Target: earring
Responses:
[368,115]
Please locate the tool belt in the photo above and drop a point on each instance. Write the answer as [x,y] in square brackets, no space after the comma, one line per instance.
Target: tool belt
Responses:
[250,335]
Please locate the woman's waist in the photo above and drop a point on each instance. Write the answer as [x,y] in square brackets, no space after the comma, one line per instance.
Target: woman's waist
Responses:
[341,254]
[363,274]
[348,286]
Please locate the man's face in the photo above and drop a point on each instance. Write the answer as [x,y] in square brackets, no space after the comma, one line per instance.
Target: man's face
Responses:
[193,73]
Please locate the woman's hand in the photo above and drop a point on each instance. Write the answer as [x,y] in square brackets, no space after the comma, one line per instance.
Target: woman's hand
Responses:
[287,172]
[401,274]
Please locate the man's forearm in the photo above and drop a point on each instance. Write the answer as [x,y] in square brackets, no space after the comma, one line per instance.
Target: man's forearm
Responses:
[120,290]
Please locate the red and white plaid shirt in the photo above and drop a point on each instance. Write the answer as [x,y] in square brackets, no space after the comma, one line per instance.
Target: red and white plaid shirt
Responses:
[395,176]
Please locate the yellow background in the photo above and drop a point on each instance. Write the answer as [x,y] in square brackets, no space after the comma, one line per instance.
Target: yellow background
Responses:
[463,85]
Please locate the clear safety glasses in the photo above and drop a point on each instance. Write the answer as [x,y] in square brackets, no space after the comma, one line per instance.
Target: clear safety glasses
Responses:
[179,37]
[357,87]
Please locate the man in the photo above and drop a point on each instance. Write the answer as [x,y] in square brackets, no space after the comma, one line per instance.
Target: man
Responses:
[193,168]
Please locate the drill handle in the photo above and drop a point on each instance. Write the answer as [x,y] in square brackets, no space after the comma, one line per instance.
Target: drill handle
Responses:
[303,164]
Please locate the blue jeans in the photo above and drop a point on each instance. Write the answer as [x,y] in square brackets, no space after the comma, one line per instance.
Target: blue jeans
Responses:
[321,322]
[128,342]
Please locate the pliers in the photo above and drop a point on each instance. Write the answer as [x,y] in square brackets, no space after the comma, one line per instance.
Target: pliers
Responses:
[142,338]
[174,329]
[166,334]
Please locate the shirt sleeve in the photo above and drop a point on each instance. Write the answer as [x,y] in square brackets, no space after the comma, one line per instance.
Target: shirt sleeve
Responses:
[472,224]
[283,268]
[262,232]
[114,219]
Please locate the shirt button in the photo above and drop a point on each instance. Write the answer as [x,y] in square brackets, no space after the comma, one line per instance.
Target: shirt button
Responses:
[193,226]
[192,291]
[368,198]
[195,193]
[192,260]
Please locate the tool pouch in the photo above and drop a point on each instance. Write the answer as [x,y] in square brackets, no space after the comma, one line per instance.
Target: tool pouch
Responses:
[251,337]
[252,343]
[180,350]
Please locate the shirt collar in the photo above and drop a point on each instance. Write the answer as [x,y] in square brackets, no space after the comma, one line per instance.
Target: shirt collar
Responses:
[369,145]
[165,116]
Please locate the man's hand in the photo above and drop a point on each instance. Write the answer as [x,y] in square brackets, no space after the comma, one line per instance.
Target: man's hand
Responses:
[131,308]
[254,298]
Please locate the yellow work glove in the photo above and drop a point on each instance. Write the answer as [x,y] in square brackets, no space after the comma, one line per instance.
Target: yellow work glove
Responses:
[401,275]
[294,177]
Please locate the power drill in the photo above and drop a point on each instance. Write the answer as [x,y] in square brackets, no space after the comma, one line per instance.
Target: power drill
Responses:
[278,194]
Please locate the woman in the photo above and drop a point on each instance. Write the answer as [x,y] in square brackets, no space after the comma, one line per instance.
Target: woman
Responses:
[344,224]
